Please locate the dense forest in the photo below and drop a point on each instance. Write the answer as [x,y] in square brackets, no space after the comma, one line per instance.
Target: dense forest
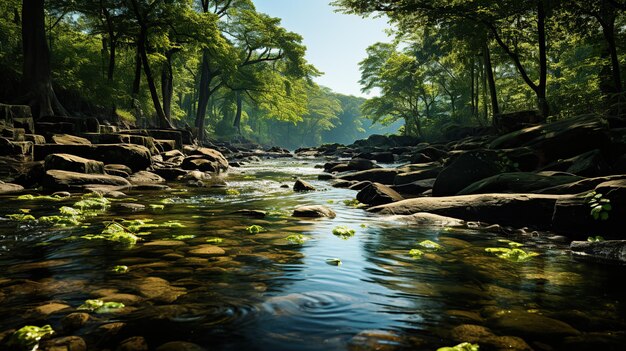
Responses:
[465,61]
[219,68]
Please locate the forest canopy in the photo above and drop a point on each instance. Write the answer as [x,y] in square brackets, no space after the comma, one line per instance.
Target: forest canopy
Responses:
[217,67]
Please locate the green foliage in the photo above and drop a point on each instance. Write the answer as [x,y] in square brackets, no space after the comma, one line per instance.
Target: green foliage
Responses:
[27,337]
[343,232]
[600,206]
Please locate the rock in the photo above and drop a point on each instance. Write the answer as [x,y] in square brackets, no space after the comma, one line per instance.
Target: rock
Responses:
[157,289]
[209,154]
[533,326]
[378,175]
[360,185]
[199,163]
[129,207]
[251,213]
[509,122]
[519,210]
[118,170]
[61,180]
[414,176]
[302,185]
[314,211]
[609,250]
[180,346]
[67,162]
[20,150]
[170,174]
[470,333]
[580,186]
[428,220]
[207,250]
[134,156]
[145,177]
[468,168]
[518,182]
[360,164]
[66,139]
[378,194]
[8,188]
[135,343]
[74,321]
[68,343]
[44,311]
[382,157]
[415,188]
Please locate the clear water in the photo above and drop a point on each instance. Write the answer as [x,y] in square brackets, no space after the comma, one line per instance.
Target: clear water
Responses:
[267,293]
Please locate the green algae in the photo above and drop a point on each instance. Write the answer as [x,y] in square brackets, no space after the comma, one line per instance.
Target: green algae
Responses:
[30,197]
[466,346]
[214,240]
[343,232]
[99,306]
[255,229]
[351,203]
[297,239]
[183,237]
[416,253]
[27,337]
[430,245]
[513,255]
[120,269]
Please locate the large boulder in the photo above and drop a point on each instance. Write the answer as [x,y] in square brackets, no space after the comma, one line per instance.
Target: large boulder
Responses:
[209,154]
[361,164]
[64,180]
[580,186]
[610,250]
[518,182]
[134,156]
[415,188]
[518,210]
[378,194]
[379,175]
[414,176]
[383,157]
[314,211]
[72,163]
[8,188]
[509,122]
[67,139]
[145,177]
[466,169]
[301,185]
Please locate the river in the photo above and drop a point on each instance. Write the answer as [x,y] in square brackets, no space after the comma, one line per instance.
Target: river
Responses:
[199,275]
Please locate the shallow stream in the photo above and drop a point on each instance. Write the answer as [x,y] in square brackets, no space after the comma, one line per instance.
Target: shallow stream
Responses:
[264,292]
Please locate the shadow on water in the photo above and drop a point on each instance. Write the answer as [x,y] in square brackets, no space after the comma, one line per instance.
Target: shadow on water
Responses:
[200,276]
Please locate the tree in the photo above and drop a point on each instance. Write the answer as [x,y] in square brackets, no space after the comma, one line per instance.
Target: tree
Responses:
[36,72]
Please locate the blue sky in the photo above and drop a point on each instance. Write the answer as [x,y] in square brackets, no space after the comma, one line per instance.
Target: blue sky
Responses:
[335,42]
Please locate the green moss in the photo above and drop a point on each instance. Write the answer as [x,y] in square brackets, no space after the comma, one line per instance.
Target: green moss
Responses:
[232,192]
[430,245]
[183,237]
[157,206]
[255,229]
[30,197]
[297,239]
[597,238]
[21,217]
[60,221]
[416,253]
[466,346]
[27,337]
[214,240]
[351,203]
[100,306]
[120,269]
[513,255]
[343,232]
[333,261]
[115,232]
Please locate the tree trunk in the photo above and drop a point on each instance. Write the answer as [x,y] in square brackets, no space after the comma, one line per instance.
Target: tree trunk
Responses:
[137,80]
[472,74]
[237,121]
[37,75]
[112,49]
[544,108]
[607,22]
[203,95]
[167,84]
[141,44]
[491,81]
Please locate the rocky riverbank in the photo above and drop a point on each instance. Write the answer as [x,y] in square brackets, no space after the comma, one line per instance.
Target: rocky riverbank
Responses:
[567,177]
